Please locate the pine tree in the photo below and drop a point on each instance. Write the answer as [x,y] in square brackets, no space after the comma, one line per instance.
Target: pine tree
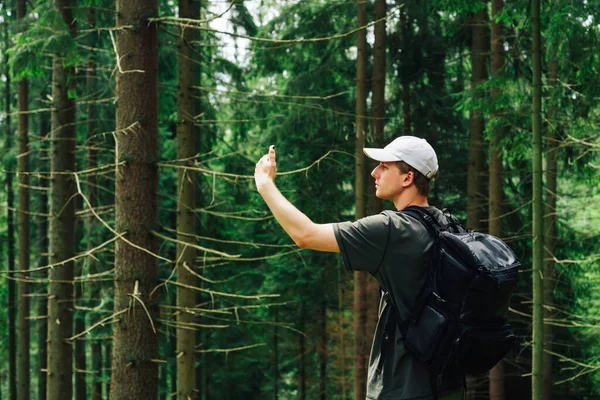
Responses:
[10,202]
[23,369]
[360,278]
[186,218]
[135,342]
[62,220]
[496,187]
[537,367]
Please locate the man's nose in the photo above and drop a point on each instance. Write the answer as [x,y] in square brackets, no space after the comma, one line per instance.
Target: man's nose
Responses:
[375,171]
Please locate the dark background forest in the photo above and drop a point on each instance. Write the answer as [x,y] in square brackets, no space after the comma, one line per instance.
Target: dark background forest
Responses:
[139,262]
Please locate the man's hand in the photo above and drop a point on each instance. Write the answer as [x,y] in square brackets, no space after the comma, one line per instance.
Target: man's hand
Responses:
[301,229]
[266,169]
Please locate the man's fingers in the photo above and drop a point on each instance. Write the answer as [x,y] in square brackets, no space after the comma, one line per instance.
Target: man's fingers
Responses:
[272,153]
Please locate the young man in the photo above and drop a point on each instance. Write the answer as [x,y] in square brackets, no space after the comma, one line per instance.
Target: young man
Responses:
[391,246]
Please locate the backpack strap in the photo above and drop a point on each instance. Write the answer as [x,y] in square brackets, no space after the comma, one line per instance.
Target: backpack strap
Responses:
[431,223]
[425,217]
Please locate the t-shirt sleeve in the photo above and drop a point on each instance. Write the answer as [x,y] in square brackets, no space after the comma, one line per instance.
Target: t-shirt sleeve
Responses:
[363,243]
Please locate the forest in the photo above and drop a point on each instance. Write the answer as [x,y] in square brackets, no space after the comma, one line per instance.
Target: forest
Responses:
[138,260]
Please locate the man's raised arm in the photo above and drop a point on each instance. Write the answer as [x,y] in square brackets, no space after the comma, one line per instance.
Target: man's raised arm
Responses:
[299,227]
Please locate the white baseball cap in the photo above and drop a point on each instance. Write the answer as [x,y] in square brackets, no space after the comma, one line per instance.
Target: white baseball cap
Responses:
[414,151]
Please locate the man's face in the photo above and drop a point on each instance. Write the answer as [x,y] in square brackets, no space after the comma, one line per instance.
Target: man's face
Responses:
[389,181]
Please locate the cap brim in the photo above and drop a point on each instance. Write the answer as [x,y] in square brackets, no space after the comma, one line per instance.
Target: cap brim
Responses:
[380,155]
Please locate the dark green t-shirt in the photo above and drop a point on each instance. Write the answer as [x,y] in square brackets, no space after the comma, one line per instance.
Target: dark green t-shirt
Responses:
[394,248]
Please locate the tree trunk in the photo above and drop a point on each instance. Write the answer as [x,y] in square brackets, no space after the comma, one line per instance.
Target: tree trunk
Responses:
[23,368]
[323,351]
[495,168]
[375,204]
[378,81]
[404,35]
[107,370]
[301,358]
[537,373]
[275,359]
[43,260]
[186,219]
[475,195]
[341,310]
[360,278]
[134,371]
[62,223]
[10,194]
[79,315]
[92,194]
[550,226]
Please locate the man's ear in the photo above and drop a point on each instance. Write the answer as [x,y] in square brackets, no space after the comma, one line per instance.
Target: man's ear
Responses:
[409,178]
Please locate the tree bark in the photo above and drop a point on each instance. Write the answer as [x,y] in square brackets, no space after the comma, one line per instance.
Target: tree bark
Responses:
[186,219]
[107,370]
[404,36]
[323,351]
[375,204]
[275,359]
[495,167]
[10,194]
[360,278]
[62,222]
[42,333]
[301,358]
[550,233]
[341,309]
[475,195]
[92,194]
[537,372]
[135,343]
[23,368]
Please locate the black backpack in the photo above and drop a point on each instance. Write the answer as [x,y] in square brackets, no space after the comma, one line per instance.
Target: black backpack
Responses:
[458,324]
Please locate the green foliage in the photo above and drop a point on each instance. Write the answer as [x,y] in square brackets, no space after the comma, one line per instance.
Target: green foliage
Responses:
[42,33]
[300,96]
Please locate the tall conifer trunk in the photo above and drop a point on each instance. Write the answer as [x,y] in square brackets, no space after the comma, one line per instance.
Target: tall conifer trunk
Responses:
[10,200]
[301,356]
[475,195]
[62,222]
[475,201]
[42,329]
[550,226]
[135,343]
[23,375]
[92,193]
[186,220]
[377,127]
[275,359]
[342,333]
[360,278]
[404,37]
[495,167]
[537,368]
[323,350]
[107,368]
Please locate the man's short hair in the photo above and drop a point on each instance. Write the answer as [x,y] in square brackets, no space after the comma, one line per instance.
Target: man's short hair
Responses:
[421,182]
